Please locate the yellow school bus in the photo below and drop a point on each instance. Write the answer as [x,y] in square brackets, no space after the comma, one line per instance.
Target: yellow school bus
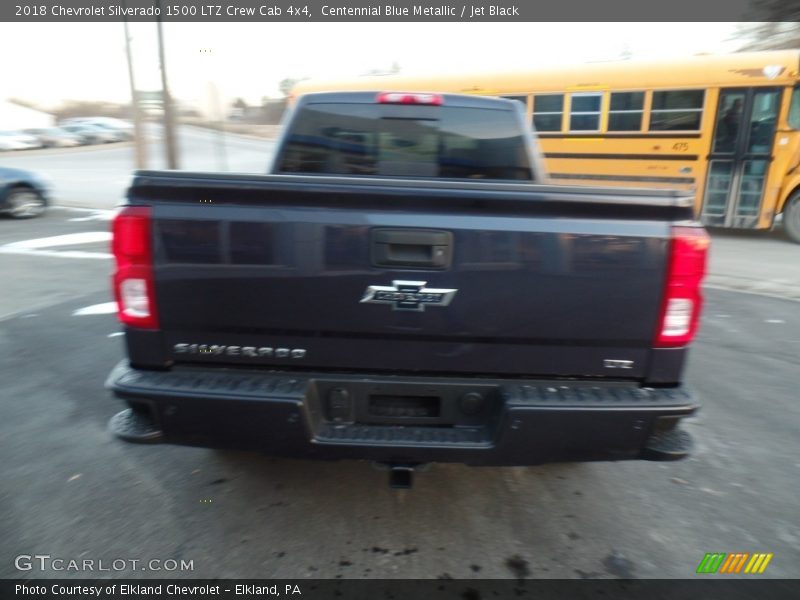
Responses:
[726,126]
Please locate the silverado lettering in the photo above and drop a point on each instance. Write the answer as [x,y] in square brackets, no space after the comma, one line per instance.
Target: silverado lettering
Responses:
[253,351]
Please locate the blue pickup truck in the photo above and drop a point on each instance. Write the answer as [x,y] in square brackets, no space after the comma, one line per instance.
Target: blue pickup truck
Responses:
[405,286]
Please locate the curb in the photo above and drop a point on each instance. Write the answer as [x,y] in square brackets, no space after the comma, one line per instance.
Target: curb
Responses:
[243,135]
[769,289]
[73,150]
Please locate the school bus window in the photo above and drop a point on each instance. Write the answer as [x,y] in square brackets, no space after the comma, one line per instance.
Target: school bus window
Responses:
[547,111]
[794,110]
[677,110]
[764,117]
[625,111]
[584,113]
[521,99]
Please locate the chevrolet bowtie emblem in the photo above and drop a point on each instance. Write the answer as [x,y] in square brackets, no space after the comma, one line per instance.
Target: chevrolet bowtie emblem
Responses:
[408,295]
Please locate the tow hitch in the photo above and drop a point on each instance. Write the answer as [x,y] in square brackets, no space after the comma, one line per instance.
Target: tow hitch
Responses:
[401,475]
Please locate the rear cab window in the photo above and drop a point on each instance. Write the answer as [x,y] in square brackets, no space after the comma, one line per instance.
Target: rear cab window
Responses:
[385,140]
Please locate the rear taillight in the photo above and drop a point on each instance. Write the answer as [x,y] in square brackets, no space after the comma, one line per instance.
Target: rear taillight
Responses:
[134,286]
[680,312]
[410,98]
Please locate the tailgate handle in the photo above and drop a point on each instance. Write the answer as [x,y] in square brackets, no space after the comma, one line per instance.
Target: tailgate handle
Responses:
[418,248]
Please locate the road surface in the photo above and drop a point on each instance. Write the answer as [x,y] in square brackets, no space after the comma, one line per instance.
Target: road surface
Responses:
[70,490]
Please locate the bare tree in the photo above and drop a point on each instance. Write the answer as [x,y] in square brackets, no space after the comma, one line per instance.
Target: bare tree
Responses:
[85,108]
[393,70]
[769,35]
[25,103]
[286,85]
[775,25]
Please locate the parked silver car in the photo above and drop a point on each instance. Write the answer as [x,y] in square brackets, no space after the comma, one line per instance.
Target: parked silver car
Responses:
[55,137]
[17,140]
[123,128]
[94,134]
[23,194]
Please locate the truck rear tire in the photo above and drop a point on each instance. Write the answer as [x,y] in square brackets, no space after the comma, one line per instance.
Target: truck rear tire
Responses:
[791,217]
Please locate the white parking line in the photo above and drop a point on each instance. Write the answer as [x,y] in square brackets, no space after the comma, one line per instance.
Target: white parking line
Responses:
[79,208]
[36,247]
[70,239]
[57,253]
[105,308]
[96,215]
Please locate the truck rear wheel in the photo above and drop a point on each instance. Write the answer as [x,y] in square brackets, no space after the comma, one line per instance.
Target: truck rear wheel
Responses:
[791,217]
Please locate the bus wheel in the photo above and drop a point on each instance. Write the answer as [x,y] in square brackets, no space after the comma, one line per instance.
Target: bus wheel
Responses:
[791,217]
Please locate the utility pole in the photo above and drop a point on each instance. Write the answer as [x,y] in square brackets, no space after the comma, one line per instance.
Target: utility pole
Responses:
[222,155]
[215,111]
[139,142]
[169,121]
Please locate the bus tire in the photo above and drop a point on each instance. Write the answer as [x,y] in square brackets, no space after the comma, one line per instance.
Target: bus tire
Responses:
[791,217]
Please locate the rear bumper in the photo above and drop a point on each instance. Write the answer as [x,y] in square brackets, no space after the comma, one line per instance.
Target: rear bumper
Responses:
[401,419]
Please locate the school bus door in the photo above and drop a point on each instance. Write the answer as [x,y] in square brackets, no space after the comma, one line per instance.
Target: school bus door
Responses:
[741,154]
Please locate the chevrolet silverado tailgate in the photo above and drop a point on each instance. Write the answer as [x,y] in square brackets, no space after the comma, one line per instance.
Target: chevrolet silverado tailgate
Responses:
[391,275]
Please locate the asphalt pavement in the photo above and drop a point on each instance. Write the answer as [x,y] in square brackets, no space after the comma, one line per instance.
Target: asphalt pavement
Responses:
[70,490]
